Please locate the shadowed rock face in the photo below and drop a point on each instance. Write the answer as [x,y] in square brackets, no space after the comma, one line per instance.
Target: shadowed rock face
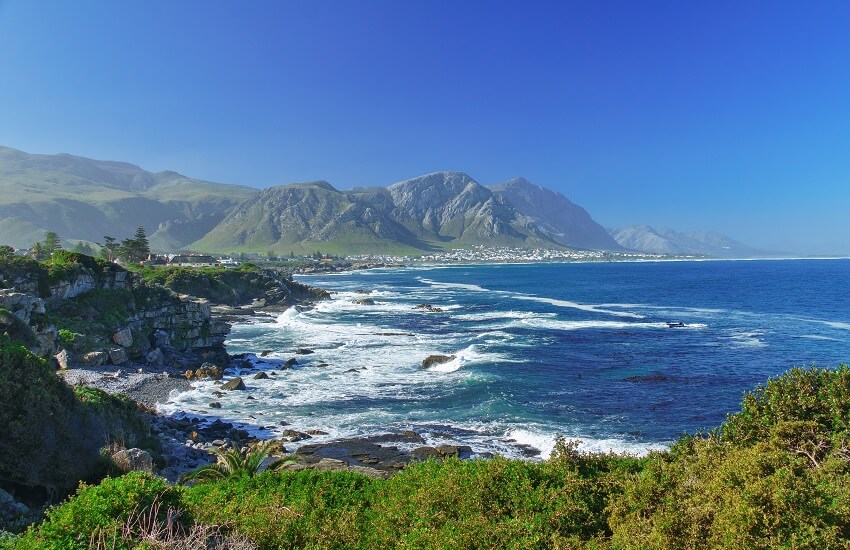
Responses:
[564,222]
[451,205]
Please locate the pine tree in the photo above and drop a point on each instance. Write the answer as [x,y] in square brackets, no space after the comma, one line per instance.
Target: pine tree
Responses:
[136,249]
[51,243]
[143,247]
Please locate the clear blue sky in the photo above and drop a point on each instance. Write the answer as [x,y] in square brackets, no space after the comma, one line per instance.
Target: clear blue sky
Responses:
[726,115]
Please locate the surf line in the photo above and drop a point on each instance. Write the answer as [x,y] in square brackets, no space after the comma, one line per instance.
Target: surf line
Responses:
[575,305]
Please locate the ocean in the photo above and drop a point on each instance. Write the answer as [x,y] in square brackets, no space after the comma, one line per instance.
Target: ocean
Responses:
[623,357]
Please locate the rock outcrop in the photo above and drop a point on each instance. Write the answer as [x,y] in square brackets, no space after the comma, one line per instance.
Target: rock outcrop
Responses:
[436,359]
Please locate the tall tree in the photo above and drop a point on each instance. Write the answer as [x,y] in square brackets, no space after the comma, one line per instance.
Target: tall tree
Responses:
[110,249]
[136,249]
[51,243]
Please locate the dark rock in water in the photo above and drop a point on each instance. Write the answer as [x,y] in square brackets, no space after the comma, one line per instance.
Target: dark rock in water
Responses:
[215,405]
[364,302]
[261,376]
[353,370]
[408,436]
[251,397]
[290,363]
[294,435]
[316,432]
[432,360]
[428,307]
[527,450]
[655,377]
[363,291]
[355,452]
[304,351]
[424,453]
[265,353]
[235,384]
[218,393]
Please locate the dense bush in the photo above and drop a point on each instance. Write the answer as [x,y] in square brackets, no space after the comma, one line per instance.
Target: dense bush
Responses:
[95,514]
[53,434]
[774,475]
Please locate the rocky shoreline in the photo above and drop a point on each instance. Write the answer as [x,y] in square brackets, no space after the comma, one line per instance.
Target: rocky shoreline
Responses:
[190,441]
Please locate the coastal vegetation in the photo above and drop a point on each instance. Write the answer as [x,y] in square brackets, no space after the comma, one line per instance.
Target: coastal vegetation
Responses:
[775,474]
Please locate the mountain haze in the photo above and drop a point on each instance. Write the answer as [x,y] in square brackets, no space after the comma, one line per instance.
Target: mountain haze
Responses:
[85,199]
[555,215]
[644,238]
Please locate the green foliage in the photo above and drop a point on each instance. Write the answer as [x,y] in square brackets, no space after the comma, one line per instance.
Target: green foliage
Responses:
[135,249]
[68,337]
[15,328]
[775,475]
[52,433]
[235,462]
[95,312]
[97,512]
[306,509]
[51,243]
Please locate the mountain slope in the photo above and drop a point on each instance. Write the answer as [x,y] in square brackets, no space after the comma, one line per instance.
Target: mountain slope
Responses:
[561,220]
[644,238]
[304,217]
[453,209]
[85,199]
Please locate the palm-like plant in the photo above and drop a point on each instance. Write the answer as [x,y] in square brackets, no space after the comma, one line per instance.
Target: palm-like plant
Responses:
[235,462]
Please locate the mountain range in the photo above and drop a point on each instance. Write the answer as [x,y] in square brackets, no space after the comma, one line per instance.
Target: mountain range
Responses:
[84,199]
[667,241]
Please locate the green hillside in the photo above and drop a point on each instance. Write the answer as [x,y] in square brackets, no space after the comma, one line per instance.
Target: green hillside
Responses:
[85,199]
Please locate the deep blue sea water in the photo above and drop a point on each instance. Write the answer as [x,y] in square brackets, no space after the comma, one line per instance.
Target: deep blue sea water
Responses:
[579,349]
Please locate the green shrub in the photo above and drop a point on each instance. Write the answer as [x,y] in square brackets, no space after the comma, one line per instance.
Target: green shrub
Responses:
[52,433]
[96,513]
[775,474]
[288,509]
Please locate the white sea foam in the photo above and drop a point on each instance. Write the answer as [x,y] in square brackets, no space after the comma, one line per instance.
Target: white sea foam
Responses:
[818,337]
[470,354]
[556,324]
[575,305]
[837,324]
[461,286]
[750,339]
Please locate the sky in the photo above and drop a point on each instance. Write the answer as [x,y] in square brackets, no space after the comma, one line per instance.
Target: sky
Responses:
[730,116]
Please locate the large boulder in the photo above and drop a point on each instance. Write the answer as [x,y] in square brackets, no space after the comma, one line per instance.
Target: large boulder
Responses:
[10,509]
[133,460]
[234,384]
[63,359]
[117,356]
[95,359]
[437,359]
[155,357]
[123,337]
